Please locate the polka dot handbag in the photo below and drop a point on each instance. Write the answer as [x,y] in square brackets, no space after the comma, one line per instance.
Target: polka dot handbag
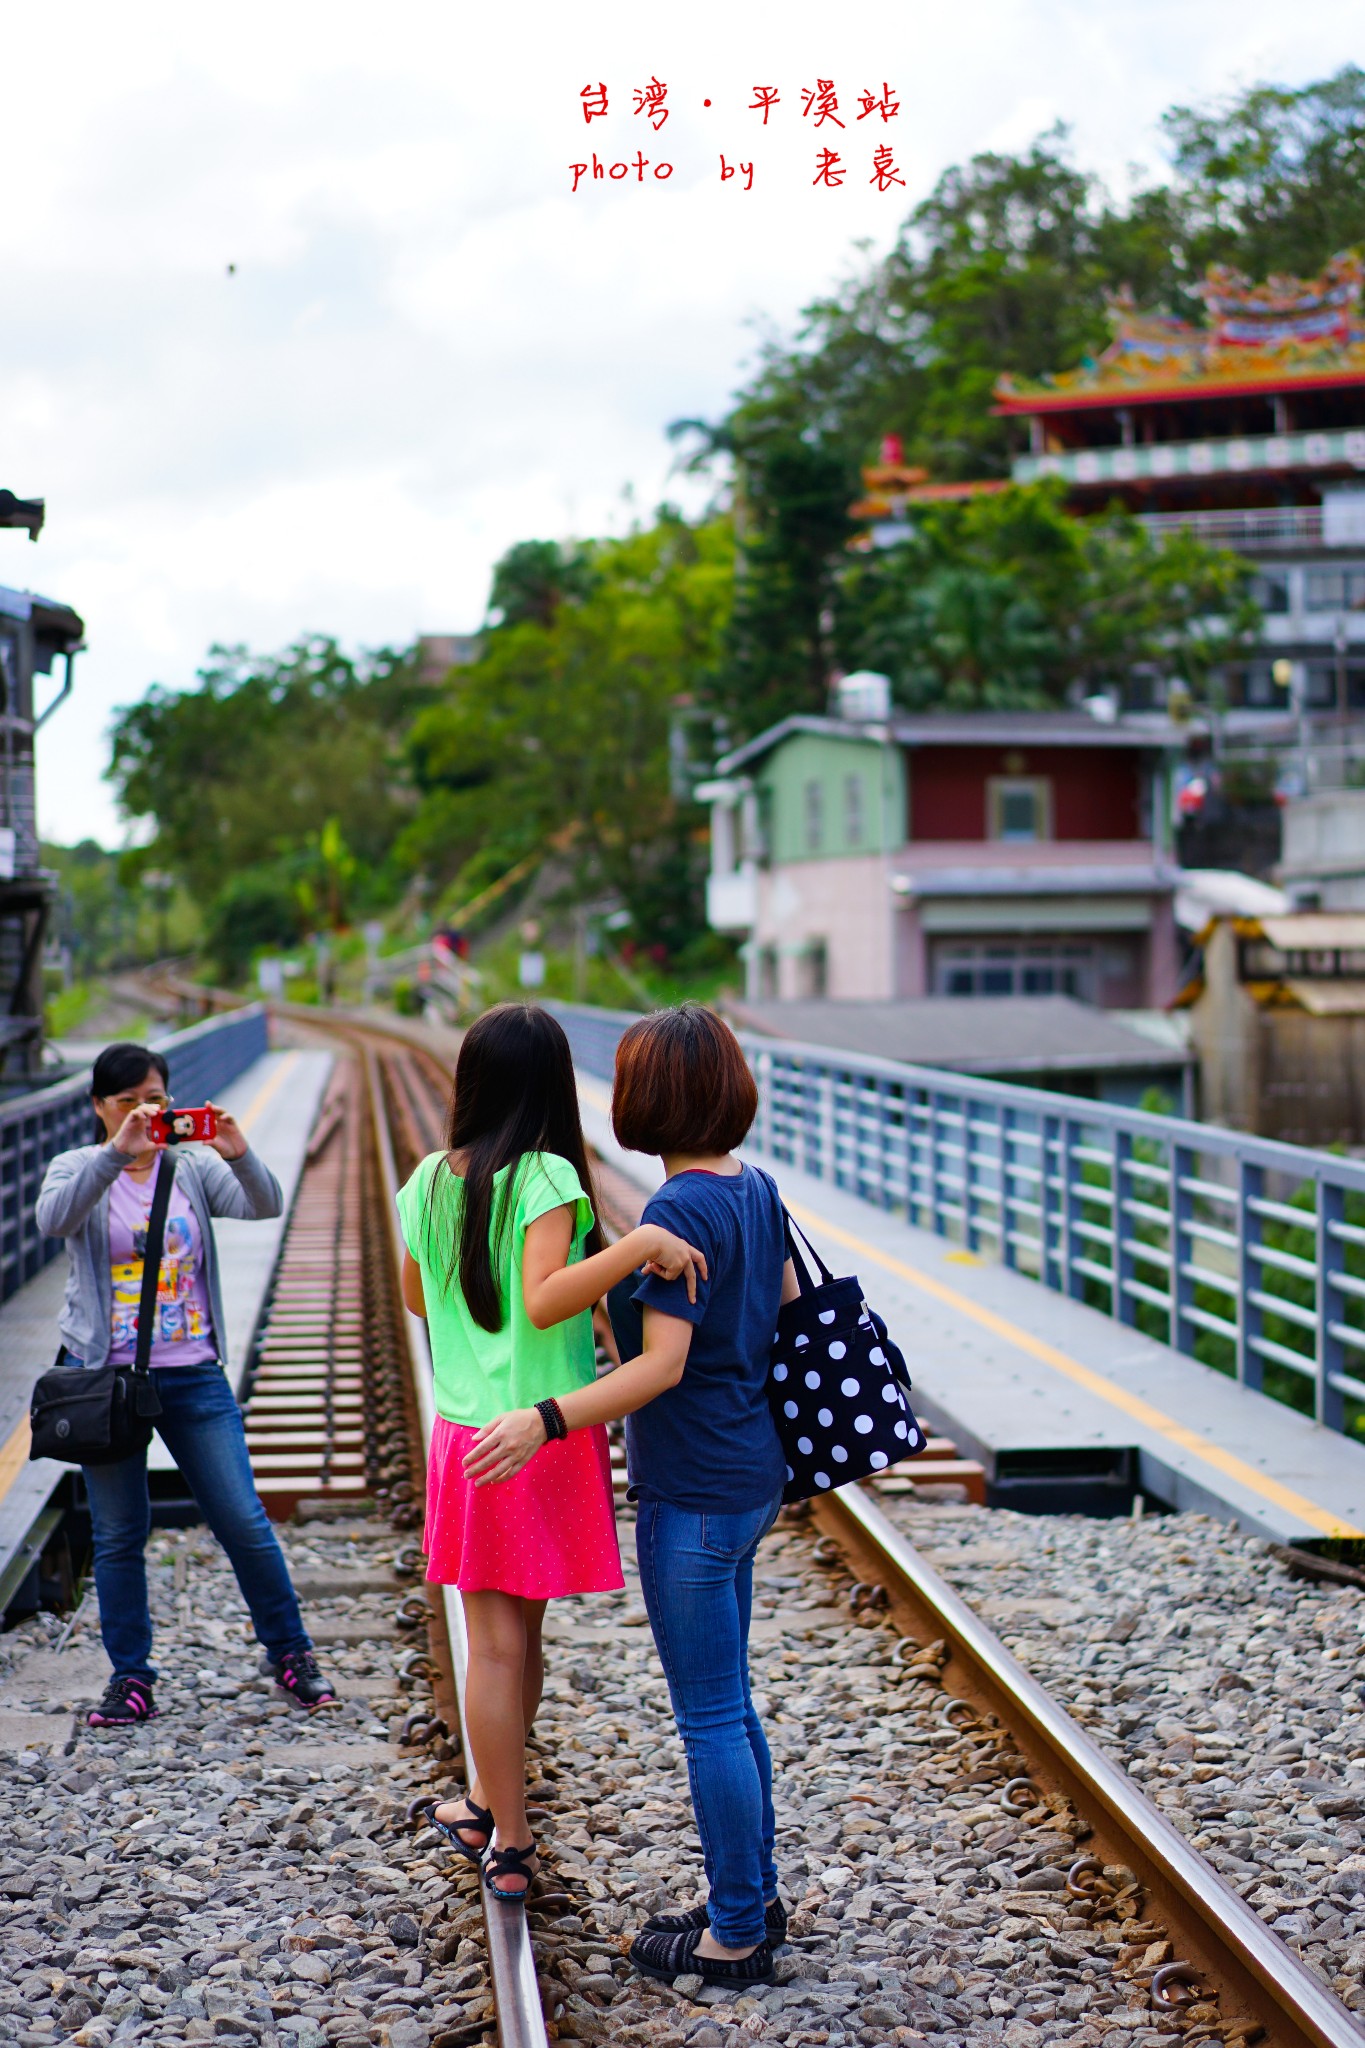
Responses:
[837,1385]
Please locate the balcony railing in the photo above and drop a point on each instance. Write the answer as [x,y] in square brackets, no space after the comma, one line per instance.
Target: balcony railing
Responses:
[732,900]
[1258,526]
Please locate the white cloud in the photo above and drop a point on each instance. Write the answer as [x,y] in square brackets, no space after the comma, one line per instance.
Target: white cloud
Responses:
[430,347]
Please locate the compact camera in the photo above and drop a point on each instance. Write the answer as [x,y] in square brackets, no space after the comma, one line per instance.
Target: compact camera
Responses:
[184,1126]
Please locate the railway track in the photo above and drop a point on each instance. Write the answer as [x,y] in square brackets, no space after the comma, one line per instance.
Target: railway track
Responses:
[1223,1947]
[1226,1974]
[341,1408]
[385,1113]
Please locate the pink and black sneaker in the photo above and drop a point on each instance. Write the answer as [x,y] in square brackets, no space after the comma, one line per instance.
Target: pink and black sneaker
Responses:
[298,1673]
[126,1702]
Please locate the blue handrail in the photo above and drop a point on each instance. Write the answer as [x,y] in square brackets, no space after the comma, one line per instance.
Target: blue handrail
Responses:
[1243,1252]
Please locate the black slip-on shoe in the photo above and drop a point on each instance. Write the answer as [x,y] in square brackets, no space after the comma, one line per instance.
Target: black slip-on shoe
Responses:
[667,1956]
[774,1921]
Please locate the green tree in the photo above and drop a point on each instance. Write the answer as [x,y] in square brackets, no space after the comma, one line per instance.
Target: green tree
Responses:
[247,770]
[556,742]
[794,492]
[534,578]
[1008,601]
[257,908]
[1272,178]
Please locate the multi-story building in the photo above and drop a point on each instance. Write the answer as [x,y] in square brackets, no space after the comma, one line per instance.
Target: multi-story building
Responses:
[878,856]
[1248,430]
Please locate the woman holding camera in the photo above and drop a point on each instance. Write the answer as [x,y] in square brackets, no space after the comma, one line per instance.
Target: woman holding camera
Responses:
[99,1198]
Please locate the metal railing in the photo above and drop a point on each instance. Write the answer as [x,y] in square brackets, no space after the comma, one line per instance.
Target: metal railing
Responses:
[1253,526]
[439,974]
[1244,1253]
[33,1128]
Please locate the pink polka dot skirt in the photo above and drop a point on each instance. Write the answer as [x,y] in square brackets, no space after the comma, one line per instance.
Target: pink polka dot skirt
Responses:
[547,1532]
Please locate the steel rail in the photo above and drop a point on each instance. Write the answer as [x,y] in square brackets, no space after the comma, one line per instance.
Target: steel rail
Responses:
[511,1959]
[1218,1933]
[1228,1943]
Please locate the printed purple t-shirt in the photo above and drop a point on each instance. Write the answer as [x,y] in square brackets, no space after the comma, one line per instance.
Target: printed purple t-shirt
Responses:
[183,1334]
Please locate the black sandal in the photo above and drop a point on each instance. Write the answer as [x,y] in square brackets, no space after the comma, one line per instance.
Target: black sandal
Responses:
[508,1863]
[480,1822]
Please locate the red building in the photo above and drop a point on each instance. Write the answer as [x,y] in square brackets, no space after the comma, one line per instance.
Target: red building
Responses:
[890,857]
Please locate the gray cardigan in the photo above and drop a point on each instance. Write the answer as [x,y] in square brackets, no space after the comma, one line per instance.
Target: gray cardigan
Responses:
[74,1203]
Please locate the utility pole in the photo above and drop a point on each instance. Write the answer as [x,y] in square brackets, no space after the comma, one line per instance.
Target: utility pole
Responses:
[580,952]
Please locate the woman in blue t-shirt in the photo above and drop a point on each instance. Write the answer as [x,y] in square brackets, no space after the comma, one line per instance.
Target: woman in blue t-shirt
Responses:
[706,1464]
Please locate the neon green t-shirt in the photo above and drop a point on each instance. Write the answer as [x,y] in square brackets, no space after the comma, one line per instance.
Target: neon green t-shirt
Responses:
[480,1373]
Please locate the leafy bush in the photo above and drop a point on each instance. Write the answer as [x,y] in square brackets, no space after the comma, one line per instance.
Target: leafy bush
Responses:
[254,909]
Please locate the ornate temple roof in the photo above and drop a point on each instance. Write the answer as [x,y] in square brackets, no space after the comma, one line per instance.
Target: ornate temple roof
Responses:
[1283,333]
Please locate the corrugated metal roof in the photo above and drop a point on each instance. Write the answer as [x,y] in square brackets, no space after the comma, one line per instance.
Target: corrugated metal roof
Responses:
[1328,998]
[1205,893]
[1081,877]
[968,1034]
[1316,931]
[972,729]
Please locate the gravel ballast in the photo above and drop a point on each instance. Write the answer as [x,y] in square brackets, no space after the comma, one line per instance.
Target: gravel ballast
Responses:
[1230,1690]
[920,1907]
[236,1869]
[240,1871]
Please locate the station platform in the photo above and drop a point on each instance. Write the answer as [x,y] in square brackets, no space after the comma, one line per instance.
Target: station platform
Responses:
[1060,1403]
[276,1101]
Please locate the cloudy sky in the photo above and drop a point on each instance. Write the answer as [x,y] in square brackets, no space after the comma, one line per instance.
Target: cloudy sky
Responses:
[431,346]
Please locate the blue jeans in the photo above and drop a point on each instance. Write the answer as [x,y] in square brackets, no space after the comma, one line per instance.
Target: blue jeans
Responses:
[201,1426]
[697,1574]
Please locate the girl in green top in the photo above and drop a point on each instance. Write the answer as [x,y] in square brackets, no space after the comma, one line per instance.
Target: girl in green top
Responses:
[506,1261]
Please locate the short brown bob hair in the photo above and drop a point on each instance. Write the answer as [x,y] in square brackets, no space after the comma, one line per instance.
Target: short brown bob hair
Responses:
[682,1084]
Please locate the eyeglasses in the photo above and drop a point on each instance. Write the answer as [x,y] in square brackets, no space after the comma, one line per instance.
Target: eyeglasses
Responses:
[142,1101]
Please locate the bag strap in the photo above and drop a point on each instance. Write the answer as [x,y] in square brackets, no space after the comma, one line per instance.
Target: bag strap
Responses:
[803,1278]
[151,1261]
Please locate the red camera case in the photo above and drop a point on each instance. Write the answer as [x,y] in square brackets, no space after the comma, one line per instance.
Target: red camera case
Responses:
[185,1126]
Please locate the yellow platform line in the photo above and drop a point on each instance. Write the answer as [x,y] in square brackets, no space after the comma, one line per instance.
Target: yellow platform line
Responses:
[13,1456]
[266,1090]
[1131,1405]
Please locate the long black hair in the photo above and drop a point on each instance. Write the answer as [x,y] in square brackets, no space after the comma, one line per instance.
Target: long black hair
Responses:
[124,1065]
[514,1095]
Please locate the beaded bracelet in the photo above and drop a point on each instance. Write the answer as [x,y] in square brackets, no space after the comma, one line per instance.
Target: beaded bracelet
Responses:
[556,1428]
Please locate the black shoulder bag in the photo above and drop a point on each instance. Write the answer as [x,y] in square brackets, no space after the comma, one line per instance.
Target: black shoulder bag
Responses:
[100,1417]
[837,1385]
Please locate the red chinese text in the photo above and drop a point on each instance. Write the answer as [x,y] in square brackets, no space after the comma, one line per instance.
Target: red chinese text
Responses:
[884,172]
[594,98]
[649,101]
[829,168]
[822,101]
[886,106]
[764,100]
